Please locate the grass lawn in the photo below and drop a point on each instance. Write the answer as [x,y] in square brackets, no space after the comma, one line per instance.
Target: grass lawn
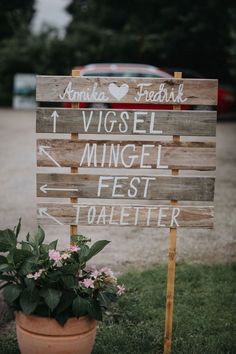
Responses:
[204,313]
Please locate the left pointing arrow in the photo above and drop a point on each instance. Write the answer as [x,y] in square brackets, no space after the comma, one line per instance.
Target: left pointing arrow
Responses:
[44,188]
[43,212]
[54,115]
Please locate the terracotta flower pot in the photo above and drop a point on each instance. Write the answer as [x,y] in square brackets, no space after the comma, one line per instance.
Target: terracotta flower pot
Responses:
[41,335]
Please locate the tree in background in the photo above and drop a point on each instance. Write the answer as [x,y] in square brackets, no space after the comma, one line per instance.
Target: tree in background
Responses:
[180,33]
[22,51]
[232,47]
[15,20]
[198,35]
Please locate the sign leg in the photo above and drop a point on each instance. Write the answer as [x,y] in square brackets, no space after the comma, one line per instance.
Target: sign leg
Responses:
[74,137]
[170,291]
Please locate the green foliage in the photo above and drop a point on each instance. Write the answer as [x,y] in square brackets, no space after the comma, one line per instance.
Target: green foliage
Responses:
[38,279]
[162,33]
[165,34]
[204,313]
[7,240]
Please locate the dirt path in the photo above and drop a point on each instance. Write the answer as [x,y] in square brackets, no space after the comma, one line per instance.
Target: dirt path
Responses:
[129,246]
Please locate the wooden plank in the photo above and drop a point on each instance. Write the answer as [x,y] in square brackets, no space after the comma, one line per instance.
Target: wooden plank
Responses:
[125,187]
[126,154]
[129,122]
[126,90]
[157,216]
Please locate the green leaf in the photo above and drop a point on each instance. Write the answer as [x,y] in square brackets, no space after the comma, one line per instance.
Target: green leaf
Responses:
[96,248]
[72,268]
[63,317]
[37,237]
[26,246]
[7,240]
[53,245]
[29,265]
[6,277]
[80,306]
[3,259]
[30,283]
[18,227]
[105,298]
[83,253]
[69,281]
[20,255]
[11,293]
[5,268]
[94,310]
[51,297]
[44,248]
[29,300]
[65,302]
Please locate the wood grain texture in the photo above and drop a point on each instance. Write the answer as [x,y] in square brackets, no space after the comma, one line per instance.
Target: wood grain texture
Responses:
[123,187]
[185,123]
[157,216]
[97,89]
[128,154]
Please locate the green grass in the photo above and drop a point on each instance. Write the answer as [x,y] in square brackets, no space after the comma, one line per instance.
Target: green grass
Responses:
[204,313]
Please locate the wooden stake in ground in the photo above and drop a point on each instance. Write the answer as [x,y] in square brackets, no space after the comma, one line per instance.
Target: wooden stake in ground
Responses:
[74,137]
[171,263]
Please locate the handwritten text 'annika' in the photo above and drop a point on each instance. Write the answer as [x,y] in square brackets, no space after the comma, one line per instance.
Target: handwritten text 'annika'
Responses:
[93,94]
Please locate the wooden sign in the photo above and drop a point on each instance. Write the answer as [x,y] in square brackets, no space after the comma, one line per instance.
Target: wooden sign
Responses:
[122,159]
[128,154]
[55,185]
[126,90]
[161,154]
[158,216]
[126,122]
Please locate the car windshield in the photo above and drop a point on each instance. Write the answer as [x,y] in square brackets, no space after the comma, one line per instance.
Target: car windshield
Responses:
[121,74]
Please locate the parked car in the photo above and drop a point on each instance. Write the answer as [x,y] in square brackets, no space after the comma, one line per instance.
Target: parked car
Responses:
[226,93]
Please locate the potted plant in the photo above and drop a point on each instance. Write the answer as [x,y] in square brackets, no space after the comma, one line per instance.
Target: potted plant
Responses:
[56,296]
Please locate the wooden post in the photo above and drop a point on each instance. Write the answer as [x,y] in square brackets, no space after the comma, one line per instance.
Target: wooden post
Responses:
[74,137]
[171,263]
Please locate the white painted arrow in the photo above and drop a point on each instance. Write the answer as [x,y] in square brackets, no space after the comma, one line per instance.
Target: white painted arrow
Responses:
[42,150]
[45,188]
[54,115]
[43,212]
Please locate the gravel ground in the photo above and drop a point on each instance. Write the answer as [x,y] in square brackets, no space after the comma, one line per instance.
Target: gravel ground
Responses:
[129,246]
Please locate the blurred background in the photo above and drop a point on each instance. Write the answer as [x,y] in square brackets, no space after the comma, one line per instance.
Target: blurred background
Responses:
[55,36]
[52,37]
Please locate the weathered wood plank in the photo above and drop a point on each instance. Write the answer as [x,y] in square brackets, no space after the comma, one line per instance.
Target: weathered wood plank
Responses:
[128,154]
[126,90]
[125,187]
[155,216]
[130,122]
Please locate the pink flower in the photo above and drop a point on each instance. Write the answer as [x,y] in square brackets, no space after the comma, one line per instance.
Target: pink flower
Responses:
[95,273]
[120,290]
[36,275]
[88,283]
[73,248]
[54,255]
[107,271]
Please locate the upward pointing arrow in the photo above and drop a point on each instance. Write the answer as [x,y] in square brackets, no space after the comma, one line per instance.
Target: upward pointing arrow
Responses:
[54,115]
